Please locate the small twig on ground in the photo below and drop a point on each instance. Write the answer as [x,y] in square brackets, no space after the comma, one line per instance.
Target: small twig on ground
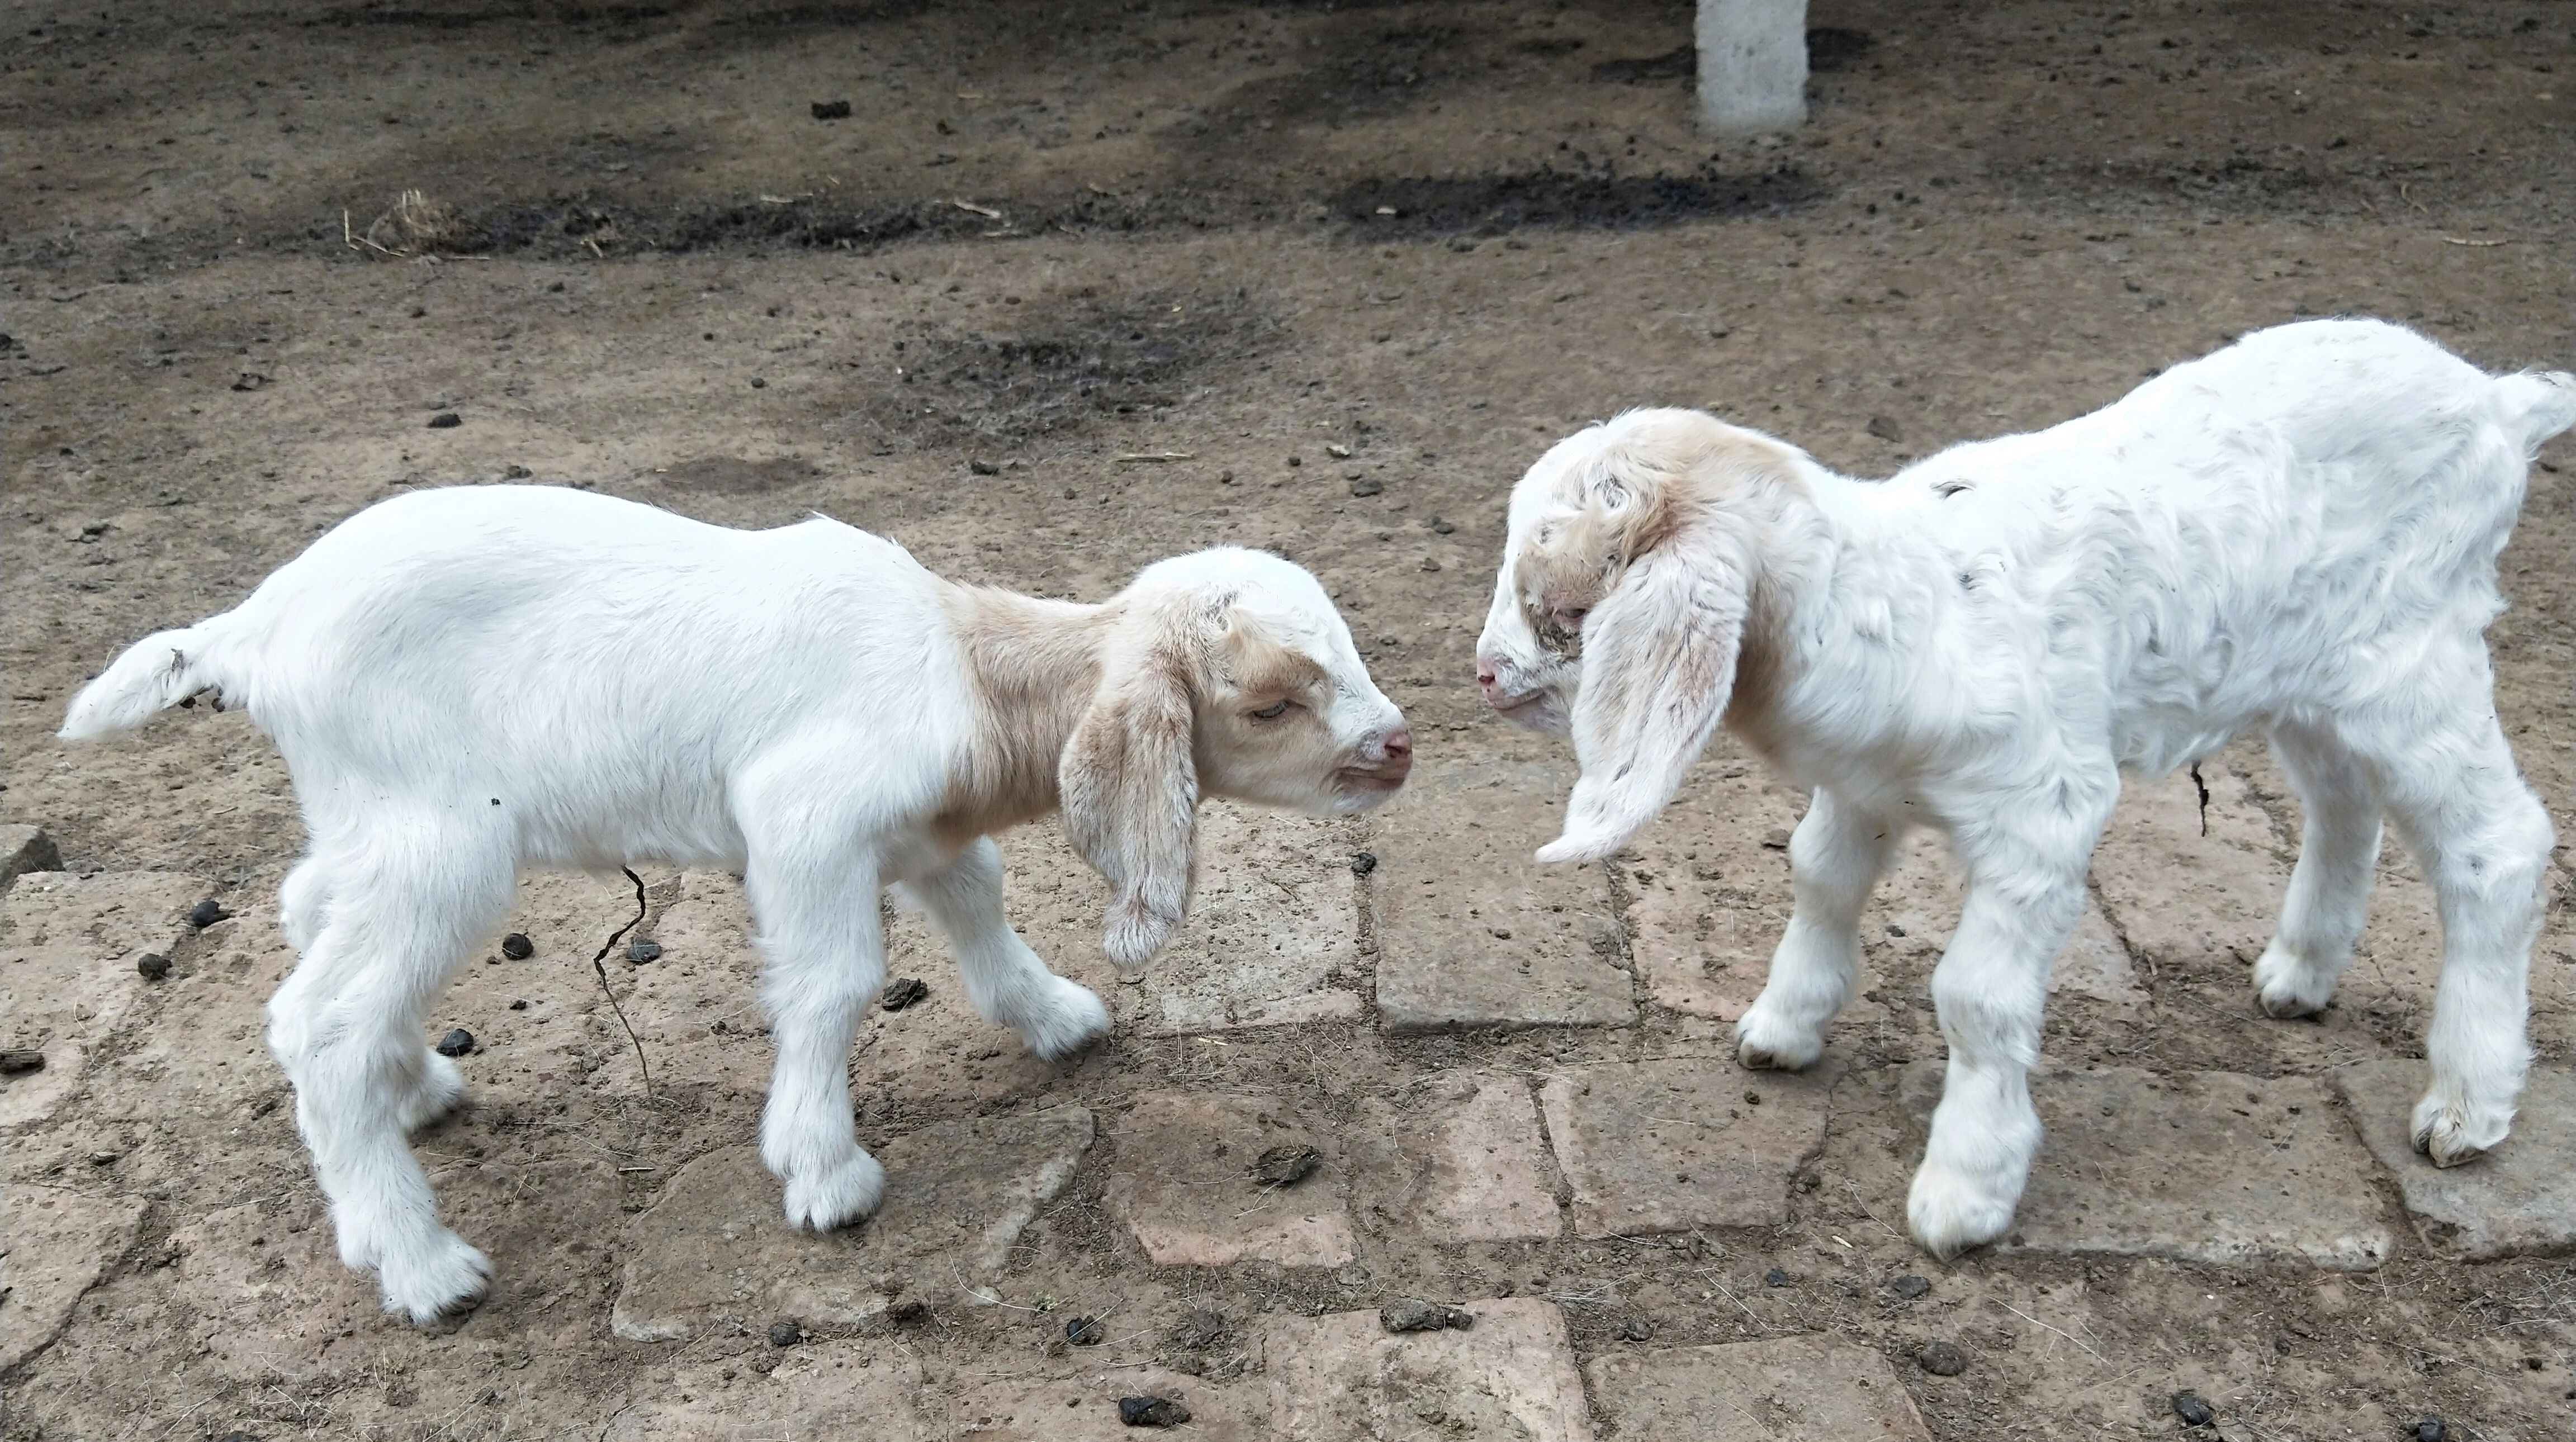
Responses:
[599,964]
[2203,788]
[2069,1336]
[1135,456]
[986,211]
[1712,1280]
[2474,244]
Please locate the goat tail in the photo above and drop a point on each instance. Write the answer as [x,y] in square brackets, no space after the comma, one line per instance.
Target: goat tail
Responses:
[155,674]
[2539,404]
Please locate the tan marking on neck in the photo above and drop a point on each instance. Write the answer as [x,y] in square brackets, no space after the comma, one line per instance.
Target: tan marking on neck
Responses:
[1031,666]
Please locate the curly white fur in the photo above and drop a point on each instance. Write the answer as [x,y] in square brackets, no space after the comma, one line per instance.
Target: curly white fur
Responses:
[2297,533]
[470,682]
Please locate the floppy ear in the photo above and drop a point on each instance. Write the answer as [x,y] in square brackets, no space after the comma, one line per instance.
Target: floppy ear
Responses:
[1130,789]
[1659,657]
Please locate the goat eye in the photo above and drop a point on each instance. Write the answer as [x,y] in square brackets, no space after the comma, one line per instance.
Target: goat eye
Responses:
[1271,712]
[1570,617]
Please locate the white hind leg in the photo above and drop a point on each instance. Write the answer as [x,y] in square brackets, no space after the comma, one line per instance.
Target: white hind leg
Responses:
[414,898]
[304,901]
[2329,895]
[2483,841]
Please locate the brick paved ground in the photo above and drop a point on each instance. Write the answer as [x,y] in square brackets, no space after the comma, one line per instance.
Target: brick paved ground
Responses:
[1357,264]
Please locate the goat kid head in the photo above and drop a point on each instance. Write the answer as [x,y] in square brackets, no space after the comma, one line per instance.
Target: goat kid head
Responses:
[1619,611]
[1226,673]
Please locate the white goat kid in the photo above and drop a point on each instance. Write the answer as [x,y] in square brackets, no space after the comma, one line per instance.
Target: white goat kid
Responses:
[2299,532]
[470,682]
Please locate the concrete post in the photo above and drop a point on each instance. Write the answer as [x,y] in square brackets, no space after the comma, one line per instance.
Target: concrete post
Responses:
[1752,65]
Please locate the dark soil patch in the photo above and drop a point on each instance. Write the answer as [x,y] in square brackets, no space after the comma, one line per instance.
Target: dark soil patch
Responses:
[1067,361]
[1552,200]
[733,476]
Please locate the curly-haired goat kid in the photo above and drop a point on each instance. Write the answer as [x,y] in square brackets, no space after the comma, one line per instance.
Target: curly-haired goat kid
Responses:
[2298,533]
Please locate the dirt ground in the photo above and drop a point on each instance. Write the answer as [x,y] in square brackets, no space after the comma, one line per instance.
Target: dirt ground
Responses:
[1431,235]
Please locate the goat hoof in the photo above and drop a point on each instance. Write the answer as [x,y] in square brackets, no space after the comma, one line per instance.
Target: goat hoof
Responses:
[1768,1046]
[1070,1018]
[2448,1138]
[836,1195]
[437,1277]
[2286,990]
[1948,1216]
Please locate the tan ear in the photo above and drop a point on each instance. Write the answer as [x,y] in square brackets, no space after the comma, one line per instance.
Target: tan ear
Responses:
[1130,789]
[1659,655]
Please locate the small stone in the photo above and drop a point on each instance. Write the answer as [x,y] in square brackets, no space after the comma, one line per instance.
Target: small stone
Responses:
[1200,1330]
[1941,1359]
[1151,1412]
[1443,528]
[1415,1315]
[456,1043]
[2431,1430]
[1085,1332]
[786,1332]
[831,109]
[1337,450]
[902,992]
[21,1060]
[153,965]
[983,468]
[249,381]
[2194,1412]
[1909,1286]
[759,384]
[1286,1166]
[1296,460]
[1430,563]
[1775,1278]
[1885,429]
[445,421]
[517,473]
[520,1005]
[517,947]
[1367,486]
[1636,1329]
[206,913]
[640,951]
[104,1158]
[1364,863]
[909,1314]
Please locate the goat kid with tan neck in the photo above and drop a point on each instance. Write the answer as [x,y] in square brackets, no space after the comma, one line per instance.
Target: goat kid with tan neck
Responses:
[2298,533]
[470,683]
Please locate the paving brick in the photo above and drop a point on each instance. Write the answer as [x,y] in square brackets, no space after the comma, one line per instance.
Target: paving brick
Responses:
[1273,935]
[53,1247]
[67,951]
[24,849]
[2186,899]
[716,1245]
[1815,1388]
[820,1392]
[2519,1199]
[1182,1183]
[1471,931]
[267,1280]
[1511,1375]
[1709,888]
[205,1053]
[2200,1166]
[1084,1407]
[1457,1158]
[1666,1146]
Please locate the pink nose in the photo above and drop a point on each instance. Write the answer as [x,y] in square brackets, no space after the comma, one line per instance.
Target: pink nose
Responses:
[1399,743]
[1484,678]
